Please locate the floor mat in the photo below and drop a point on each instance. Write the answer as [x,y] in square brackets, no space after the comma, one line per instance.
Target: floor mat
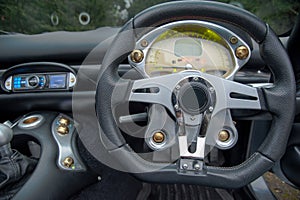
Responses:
[113,185]
[181,191]
[123,186]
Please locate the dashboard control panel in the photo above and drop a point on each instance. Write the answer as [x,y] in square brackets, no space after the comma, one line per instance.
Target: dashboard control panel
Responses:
[40,81]
[63,131]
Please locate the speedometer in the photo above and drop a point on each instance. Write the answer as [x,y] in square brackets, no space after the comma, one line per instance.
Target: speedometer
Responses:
[189,47]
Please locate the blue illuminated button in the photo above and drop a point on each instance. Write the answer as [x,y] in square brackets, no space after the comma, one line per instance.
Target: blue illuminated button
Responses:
[17,82]
[42,81]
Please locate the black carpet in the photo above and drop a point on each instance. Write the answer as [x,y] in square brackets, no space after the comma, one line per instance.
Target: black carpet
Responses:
[113,185]
[118,185]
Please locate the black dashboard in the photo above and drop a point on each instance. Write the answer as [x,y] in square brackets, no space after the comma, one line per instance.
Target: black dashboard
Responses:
[51,62]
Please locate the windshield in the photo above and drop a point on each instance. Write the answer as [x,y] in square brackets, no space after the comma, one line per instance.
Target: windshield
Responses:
[35,16]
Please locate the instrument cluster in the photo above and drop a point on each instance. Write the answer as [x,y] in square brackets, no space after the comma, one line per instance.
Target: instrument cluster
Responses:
[190,45]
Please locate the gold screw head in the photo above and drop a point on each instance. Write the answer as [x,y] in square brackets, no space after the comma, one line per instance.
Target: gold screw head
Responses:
[72,80]
[242,52]
[144,43]
[223,136]
[63,130]
[68,162]
[137,56]
[64,121]
[158,137]
[233,40]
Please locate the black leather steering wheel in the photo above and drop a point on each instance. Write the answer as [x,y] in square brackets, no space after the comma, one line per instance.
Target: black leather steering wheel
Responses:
[278,100]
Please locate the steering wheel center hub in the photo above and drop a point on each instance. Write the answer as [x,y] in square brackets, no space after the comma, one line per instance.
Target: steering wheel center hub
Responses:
[194,98]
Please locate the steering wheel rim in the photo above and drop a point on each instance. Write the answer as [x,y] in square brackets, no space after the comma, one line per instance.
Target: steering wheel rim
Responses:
[283,93]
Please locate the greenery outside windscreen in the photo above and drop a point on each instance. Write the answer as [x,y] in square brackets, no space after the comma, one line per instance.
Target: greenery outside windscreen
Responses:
[38,16]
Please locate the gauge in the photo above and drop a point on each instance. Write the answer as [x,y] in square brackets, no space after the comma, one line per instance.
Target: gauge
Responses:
[189,47]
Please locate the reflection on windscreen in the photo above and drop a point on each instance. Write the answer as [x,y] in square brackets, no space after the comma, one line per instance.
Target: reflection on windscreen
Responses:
[37,16]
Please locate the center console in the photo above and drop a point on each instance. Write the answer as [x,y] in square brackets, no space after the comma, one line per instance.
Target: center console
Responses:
[51,138]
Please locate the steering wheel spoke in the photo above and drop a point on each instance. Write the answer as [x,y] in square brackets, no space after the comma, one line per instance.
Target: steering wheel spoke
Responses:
[234,95]
[241,96]
[157,90]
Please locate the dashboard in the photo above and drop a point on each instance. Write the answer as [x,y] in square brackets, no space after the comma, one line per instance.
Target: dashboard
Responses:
[67,53]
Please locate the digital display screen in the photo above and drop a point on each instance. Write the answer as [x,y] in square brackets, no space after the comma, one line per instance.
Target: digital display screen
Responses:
[187,47]
[57,81]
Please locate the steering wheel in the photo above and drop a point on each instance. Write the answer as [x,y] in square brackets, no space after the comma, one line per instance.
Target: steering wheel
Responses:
[278,100]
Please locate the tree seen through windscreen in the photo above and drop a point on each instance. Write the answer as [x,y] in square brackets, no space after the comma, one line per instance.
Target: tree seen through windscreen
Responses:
[36,16]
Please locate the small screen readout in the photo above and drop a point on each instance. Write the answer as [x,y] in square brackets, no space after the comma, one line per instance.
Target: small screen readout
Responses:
[187,47]
[57,81]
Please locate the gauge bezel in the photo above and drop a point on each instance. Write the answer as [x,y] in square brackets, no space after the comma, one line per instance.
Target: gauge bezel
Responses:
[224,33]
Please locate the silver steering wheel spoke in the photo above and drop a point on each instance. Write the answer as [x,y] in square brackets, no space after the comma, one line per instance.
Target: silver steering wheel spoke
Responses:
[241,96]
[156,90]
[233,95]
